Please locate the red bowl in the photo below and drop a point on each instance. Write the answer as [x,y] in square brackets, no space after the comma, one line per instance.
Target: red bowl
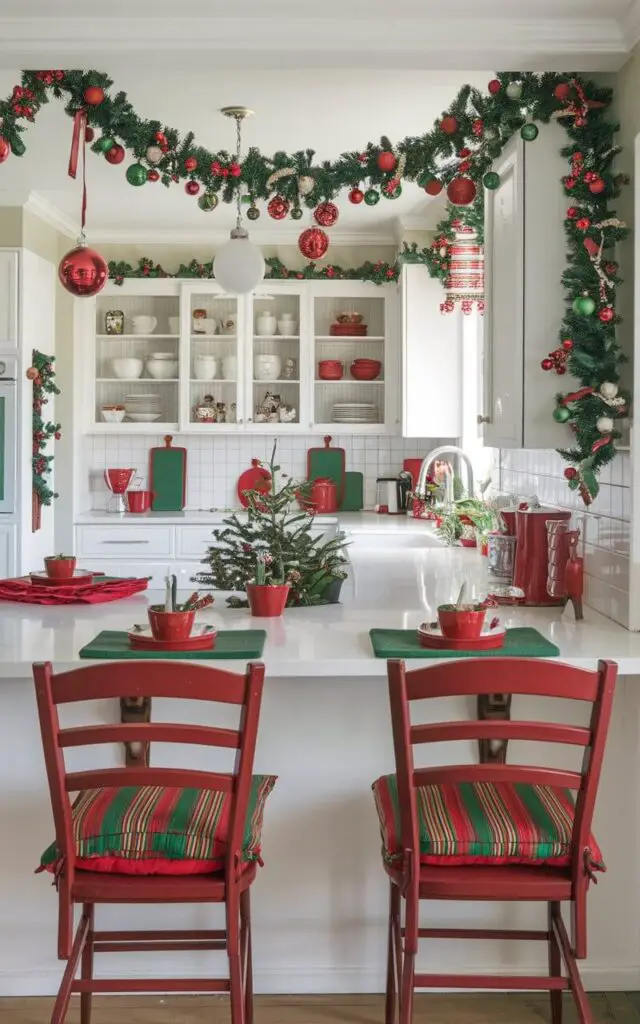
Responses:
[358,373]
[461,625]
[330,362]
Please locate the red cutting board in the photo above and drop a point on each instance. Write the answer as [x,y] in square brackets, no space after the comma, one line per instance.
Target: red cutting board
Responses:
[168,477]
[412,466]
[327,462]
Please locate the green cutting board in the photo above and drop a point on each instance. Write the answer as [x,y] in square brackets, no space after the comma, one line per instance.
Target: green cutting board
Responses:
[167,477]
[353,500]
[522,642]
[230,643]
[327,462]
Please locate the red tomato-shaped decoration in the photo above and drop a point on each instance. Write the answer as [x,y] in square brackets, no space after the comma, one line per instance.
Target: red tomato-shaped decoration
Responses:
[5,150]
[115,155]
[433,187]
[449,125]
[386,161]
[83,272]
[461,191]
[326,214]
[313,243]
[93,95]
[278,207]
[356,196]
[494,87]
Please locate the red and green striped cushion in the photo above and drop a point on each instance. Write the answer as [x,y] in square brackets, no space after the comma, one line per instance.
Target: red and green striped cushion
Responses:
[158,830]
[482,822]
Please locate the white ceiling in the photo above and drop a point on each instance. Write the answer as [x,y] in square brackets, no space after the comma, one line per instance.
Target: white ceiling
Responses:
[330,76]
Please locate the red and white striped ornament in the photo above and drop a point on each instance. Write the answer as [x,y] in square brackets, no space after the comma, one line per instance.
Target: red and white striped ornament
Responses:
[465,284]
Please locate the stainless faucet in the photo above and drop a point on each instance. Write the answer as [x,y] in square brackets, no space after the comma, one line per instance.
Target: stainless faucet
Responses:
[428,462]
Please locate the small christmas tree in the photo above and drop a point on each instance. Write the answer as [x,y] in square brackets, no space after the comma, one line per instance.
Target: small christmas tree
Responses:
[275,528]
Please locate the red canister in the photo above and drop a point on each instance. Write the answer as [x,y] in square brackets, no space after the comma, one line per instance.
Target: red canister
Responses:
[139,501]
[324,495]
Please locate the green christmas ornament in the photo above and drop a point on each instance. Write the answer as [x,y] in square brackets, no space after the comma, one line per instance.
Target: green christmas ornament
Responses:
[253,213]
[371,197]
[561,414]
[397,191]
[18,147]
[491,180]
[208,201]
[296,213]
[583,305]
[103,144]
[529,132]
[136,174]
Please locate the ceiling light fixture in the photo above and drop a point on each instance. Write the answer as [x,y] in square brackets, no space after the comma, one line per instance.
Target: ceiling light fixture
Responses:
[239,266]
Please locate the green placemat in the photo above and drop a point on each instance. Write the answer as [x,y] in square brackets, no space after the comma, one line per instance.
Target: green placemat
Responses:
[522,642]
[230,643]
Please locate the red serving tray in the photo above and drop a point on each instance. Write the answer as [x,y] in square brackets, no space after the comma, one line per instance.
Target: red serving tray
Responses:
[443,643]
[80,578]
[193,643]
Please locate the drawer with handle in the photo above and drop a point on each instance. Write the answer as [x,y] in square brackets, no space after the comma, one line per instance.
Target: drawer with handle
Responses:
[132,542]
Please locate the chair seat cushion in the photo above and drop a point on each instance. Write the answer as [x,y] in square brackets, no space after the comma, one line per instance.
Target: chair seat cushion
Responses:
[483,823]
[160,830]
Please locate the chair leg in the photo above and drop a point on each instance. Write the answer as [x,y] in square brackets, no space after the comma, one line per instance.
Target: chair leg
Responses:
[247,960]
[394,912]
[235,961]
[555,965]
[406,994]
[575,982]
[86,965]
[61,1004]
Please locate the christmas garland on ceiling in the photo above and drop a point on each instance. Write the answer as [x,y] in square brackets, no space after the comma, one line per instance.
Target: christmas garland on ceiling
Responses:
[457,154]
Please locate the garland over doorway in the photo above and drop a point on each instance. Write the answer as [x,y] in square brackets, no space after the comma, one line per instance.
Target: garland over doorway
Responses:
[456,154]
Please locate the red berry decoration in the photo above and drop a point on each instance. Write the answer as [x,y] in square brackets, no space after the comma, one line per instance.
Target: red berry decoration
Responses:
[464,152]
[5,149]
[235,170]
[190,163]
[192,188]
[597,185]
[590,176]
[153,175]
[477,127]
[570,473]
[494,87]
[433,187]
[83,272]
[115,155]
[570,182]
[567,344]
[356,196]
[449,125]
[461,191]
[583,224]
[160,137]
[313,243]
[606,315]
[386,161]
[562,92]
[93,95]
[326,214]
[572,212]
[278,207]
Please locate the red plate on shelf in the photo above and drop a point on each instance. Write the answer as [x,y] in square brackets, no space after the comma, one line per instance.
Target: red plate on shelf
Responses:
[81,577]
[203,638]
[255,479]
[489,640]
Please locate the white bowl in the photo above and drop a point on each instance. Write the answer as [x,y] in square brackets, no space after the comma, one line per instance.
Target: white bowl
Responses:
[143,417]
[287,326]
[127,368]
[205,367]
[112,415]
[162,369]
[162,355]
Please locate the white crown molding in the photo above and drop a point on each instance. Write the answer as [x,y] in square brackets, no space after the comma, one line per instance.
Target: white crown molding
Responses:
[201,236]
[632,25]
[50,214]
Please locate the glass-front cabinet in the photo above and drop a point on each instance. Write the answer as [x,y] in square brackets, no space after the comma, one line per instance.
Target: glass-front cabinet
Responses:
[295,356]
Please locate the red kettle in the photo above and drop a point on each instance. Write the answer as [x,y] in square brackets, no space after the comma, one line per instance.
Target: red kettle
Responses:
[323,495]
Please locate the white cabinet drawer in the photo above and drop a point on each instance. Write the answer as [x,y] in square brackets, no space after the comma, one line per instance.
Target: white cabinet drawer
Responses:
[133,542]
[193,541]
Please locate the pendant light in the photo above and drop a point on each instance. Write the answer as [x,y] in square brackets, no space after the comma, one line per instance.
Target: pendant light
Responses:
[239,265]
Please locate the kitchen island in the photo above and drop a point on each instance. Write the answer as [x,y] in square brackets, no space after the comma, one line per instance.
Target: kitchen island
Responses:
[320,902]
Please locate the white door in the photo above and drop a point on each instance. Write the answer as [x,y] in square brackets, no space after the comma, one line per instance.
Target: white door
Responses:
[8,299]
[503,355]
[7,551]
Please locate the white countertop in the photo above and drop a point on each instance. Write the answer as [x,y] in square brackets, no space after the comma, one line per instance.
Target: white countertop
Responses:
[354,522]
[395,588]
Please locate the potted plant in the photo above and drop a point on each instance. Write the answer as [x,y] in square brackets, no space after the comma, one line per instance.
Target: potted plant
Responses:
[462,621]
[60,567]
[464,519]
[269,591]
[172,621]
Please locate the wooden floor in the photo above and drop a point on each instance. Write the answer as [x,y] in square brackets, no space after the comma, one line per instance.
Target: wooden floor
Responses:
[610,1008]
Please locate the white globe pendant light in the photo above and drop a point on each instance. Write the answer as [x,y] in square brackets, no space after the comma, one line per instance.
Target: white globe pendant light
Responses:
[239,265]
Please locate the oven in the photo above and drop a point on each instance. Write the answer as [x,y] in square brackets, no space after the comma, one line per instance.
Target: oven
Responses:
[8,433]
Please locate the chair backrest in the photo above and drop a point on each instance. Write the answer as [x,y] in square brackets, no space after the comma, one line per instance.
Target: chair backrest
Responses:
[178,680]
[523,676]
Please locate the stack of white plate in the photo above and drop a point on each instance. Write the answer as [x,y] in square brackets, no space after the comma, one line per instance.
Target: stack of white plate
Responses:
[143,408]
[355,412]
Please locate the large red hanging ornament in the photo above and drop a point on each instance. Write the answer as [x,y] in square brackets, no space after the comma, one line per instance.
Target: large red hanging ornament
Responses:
[5,149]
[356,196]
[93,95]
[461,191]
[386,161]
[83,272]
[449,125]
[494,87]
[326,214]
[313,243]
[115,155]
[278,207]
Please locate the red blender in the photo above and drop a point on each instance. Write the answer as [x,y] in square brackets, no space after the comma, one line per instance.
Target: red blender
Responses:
[118,480]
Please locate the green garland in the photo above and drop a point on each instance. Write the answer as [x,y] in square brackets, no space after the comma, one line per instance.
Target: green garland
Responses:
[457,154]
[43,431]
[380,272]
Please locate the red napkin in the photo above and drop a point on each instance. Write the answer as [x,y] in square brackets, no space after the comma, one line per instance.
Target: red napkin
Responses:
[96,592]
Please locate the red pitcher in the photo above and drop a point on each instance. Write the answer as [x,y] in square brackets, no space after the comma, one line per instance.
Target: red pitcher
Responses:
[324,495]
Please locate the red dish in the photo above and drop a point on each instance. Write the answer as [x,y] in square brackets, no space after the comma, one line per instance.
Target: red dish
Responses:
[443,643]
[255,479]
[203,642]
[365,372]
[80,578]
[348,330]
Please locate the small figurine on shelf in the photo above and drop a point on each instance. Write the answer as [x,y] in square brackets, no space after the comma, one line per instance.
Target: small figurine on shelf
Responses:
[269,409]
[233,413]
[205,411]
[289,370]
[287,414]
[221,412]
[114,321]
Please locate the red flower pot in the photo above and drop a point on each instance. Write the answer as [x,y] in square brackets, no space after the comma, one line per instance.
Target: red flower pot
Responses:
[60,568]
[469,542]
[461,625]
[170,625]
[267,601]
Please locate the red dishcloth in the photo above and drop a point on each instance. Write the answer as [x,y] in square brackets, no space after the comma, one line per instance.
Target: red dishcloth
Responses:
[96,592]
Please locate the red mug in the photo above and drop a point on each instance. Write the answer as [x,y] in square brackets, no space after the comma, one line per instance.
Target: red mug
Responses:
[139,501]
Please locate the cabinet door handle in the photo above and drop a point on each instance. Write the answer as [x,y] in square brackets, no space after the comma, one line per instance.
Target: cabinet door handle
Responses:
[483,419]
[124,541]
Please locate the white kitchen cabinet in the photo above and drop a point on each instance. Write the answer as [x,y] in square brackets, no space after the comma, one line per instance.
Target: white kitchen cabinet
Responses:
[524,299]
[8,298]
[431,359]
[7,550]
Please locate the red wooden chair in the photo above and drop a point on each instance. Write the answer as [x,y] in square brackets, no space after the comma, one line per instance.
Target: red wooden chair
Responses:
[491,831]
[228,886]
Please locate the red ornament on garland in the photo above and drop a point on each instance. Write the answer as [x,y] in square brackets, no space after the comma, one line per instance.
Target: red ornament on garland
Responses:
[386,161]
[570,183]
[606,315]
[5,149]
[572,213]
[235,170]
[591,246]
[494,86]
[570,473]
[153,175]
[192,188]
[115,155]
[93,95]
[326,214]
[477,127]
[356,196]
[562,92]
[449,125]
[278,207]
[433,187]
[597,185]
[313,243]
[461,191]
[83,272]
[567,344]
[547,364]
[190,163]
[89,134]
[583,224]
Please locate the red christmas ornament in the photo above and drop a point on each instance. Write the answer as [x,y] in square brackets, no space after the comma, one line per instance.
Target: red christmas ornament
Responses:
[583,224]
[216,167]
[326,214]
[192,188]
[5,149]
[597,185]
[547,364]
[570,182]
[190,163]
[464,152]
[591,246]
[461,191]
[115,155]
[610,268]
[224,173]
[560,370]
[278,207]
[160,137]
[477,127]
[433,187]
[93,95]
[562,92]
[313,243]
[356,196]
[153,175]
[570,473]
[464,167]
[386,161]
[83,272]
[606,315]
[235,170]
[494,87]
[89,134]
[567,344]
[572,212]
[449,125]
